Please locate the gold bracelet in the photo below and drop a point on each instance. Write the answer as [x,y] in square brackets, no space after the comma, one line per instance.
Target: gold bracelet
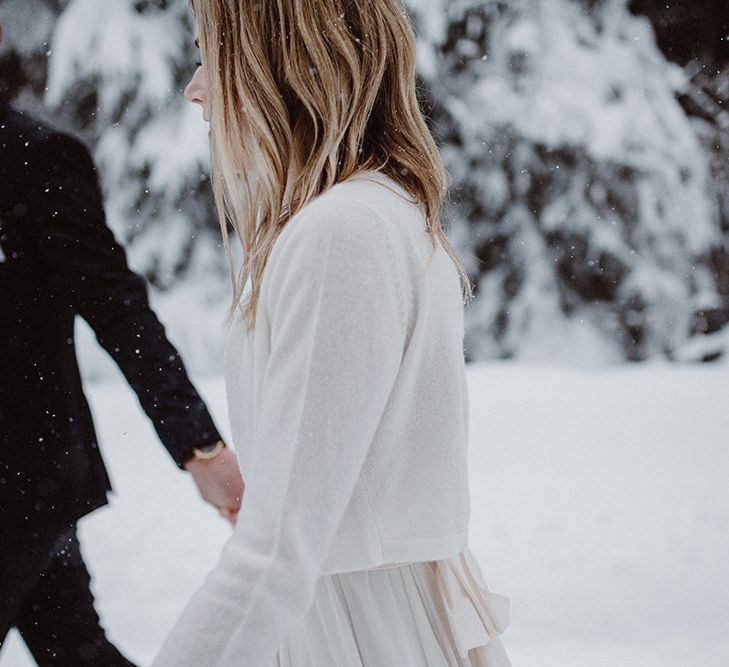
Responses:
[205,455]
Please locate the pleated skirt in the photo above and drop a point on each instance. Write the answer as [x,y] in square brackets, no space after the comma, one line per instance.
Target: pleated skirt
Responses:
[423,614]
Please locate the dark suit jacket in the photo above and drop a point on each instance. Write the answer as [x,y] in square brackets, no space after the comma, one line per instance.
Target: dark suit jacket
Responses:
[60,260]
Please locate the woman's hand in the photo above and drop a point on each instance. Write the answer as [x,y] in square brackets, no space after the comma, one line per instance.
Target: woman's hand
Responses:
[219,482]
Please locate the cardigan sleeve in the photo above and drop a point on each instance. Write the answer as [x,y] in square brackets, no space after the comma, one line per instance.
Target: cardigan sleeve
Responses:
[336,343]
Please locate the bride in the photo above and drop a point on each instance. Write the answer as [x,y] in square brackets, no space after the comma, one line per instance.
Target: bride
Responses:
[344,359]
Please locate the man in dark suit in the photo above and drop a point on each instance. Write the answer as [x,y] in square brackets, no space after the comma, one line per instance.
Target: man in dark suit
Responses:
[59,259]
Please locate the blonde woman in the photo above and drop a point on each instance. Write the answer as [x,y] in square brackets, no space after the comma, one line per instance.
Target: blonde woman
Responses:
[344,362]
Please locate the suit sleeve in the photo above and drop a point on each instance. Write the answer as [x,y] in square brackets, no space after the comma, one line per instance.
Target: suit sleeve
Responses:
[89,272]
[337,339]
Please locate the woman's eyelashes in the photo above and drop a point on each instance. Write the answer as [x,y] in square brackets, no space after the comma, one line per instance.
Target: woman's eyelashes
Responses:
[198,64]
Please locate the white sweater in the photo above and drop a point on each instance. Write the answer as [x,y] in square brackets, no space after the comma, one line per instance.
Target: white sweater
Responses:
[348,407]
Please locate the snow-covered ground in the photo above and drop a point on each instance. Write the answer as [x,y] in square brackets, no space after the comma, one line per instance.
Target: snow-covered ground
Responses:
[600,507]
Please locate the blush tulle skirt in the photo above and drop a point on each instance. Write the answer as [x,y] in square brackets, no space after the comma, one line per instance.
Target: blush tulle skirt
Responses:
[425,614]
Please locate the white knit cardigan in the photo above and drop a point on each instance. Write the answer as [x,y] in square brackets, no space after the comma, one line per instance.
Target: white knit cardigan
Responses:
[349,411]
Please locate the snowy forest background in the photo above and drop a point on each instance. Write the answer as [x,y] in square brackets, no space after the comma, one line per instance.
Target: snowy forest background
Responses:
[588,145]
[587,142]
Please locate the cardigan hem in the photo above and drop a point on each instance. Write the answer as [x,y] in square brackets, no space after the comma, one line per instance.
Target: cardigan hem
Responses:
[374,554]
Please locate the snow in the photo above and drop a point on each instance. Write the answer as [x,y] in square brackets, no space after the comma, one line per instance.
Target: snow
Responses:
[125,48]
[599,506]
[27,24]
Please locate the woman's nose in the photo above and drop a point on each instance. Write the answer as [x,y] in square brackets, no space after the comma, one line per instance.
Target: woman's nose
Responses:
[195,91]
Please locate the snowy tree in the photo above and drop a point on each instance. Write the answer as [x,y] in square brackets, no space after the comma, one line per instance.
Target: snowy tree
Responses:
[25,49]
[695,35]
[583,198]
[586,201]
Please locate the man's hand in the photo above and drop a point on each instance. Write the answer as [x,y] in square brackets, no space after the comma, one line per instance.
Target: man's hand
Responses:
[219,482]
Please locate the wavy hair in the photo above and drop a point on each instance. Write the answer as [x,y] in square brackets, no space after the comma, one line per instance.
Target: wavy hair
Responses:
[318,89]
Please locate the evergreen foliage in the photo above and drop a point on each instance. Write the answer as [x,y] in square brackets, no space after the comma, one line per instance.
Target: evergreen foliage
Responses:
[589,171]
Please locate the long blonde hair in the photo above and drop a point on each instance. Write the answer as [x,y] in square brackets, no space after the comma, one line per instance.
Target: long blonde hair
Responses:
[328,85]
